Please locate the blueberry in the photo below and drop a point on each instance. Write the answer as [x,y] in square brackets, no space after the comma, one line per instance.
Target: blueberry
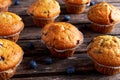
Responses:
[70,70]
[92,3]
[33,64]
[30,45]
[17,2]
[67,17]
[48,60]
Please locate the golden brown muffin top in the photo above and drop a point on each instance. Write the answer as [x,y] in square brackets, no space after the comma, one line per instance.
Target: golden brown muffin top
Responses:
[61,35]
[44,8]
[77,1]
[105,50]
[10,23]
[10,54]
[5,3]
[104,13]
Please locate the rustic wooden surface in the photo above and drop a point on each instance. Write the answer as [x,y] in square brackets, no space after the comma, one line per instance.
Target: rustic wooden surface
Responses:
[57,71]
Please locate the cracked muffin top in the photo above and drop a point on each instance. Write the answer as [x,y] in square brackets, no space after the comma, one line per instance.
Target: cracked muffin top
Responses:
[10,23]
[104,13]
[105,50]
[5,3]
[61,35]
[77,1]
[10,54]
[44,8]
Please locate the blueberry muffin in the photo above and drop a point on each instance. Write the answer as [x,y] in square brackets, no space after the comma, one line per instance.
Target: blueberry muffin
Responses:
[4,4]
[10,26]
[10,57]
[105,52]
[44,11]
[76,6]
[103,17]
[61,38]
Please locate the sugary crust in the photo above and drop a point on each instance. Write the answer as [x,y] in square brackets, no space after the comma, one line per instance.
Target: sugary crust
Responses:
[10,23]
[104,13]
[61,35]
[77,1]
[5,3]
[10,54]
[44,8]
[105,50]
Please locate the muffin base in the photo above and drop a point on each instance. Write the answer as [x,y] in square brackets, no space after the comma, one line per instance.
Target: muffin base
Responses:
[102,28]
[75,9]
[106,70]
[64,54]
[13,37]
[6,75]
[41,22]
[4,9]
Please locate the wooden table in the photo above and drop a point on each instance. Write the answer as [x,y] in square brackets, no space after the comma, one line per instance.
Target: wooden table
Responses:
[84,69]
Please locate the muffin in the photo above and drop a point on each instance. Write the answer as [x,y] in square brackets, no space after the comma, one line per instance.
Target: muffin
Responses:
[4,4]
[61,38]
[105,52]
[10,26]
[44,12]
[103,17]
[76,6]
[11,55]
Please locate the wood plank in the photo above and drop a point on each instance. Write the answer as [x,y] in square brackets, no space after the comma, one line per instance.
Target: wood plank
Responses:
[34,32]
[91,76]
[22,8]
[81,62]
[111,1]
[41,48]
[27,3]
[74,19]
